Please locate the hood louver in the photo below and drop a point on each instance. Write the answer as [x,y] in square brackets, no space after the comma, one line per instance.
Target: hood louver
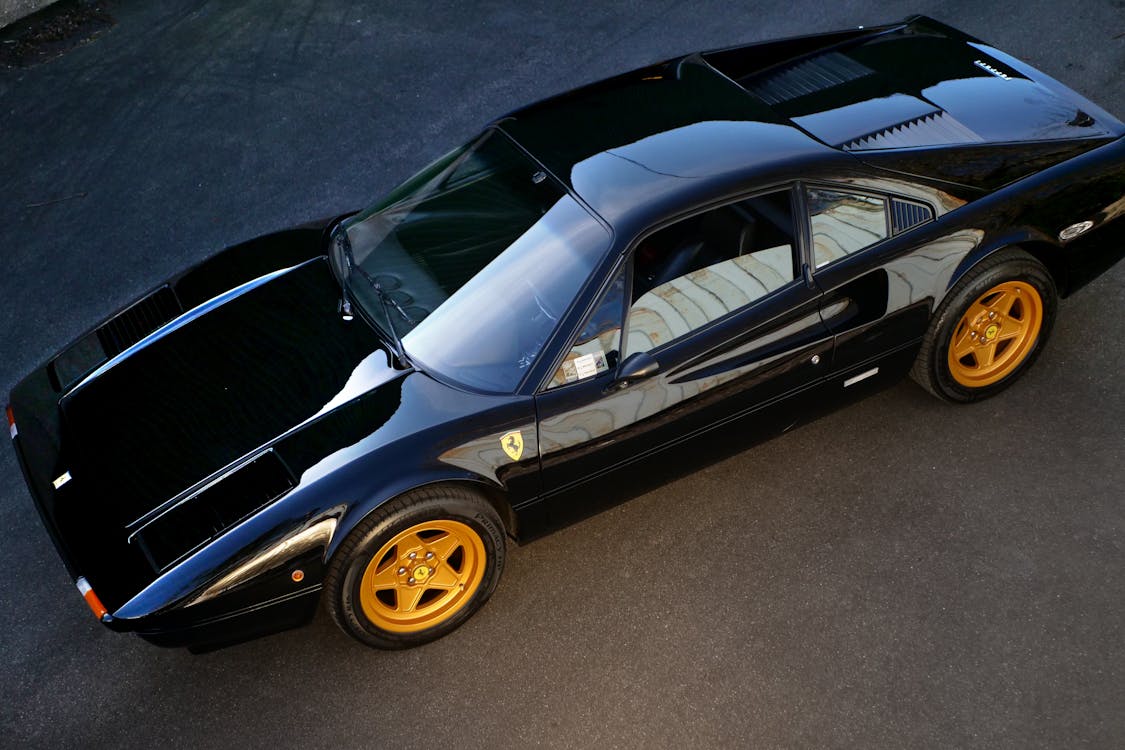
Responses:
[144,317]
[806,77]
[934,129]
[113,337]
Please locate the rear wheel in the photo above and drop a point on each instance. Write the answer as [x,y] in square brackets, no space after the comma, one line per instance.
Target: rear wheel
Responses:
[416,568]
[990,329]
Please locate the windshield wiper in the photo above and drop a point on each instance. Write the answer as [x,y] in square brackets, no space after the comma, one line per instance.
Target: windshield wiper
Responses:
[340,237]
[385,300]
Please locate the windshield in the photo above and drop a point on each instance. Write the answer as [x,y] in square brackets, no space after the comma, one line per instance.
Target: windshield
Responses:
[472,262]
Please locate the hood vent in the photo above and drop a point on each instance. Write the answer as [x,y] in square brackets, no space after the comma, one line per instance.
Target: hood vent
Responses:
[937,128]
[113,337]
[806,77]
[138,321]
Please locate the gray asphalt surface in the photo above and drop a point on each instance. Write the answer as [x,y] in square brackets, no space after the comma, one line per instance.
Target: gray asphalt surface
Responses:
[898,574]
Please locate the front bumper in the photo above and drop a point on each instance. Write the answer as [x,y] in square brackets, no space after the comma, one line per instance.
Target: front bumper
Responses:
[283,613]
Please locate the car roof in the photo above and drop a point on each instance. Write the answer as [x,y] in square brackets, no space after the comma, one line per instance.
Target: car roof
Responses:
[648,140]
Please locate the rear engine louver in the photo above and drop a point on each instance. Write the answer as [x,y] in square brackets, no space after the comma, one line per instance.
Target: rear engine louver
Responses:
[806,77]
[213,510]
[906,215]
[937,128]
[138,321]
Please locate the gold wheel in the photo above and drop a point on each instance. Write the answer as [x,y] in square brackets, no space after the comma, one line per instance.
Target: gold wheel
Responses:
[995,334]
[422,576]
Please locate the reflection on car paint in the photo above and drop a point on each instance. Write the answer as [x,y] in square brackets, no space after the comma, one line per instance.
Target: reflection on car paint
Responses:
[923,273]
[313,536]
[487,453]
[655,397]
[373,371]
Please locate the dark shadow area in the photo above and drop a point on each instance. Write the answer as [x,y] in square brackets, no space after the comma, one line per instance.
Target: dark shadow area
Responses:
[53,31]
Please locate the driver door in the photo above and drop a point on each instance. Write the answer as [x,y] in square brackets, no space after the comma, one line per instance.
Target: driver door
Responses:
[715,311]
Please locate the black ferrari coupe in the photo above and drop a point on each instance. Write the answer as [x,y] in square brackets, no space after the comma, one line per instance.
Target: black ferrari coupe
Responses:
[364,410]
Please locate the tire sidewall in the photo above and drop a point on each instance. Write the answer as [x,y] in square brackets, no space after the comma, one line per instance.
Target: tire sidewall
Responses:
[966,293]
[477,515]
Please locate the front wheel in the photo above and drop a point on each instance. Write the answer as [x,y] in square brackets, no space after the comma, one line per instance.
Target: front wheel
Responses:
[990,329]
[416,568]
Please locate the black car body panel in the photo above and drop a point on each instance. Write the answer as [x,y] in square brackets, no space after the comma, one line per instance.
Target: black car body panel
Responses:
[223,379]
[200,456]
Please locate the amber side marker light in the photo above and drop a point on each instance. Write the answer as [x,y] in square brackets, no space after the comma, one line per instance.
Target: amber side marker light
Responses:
[92,600]
[12,423]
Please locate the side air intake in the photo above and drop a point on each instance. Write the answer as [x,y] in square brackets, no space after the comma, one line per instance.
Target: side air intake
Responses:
[934,129]
[806,77]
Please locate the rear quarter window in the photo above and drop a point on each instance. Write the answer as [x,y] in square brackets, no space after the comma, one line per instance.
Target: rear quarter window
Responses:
[843,223]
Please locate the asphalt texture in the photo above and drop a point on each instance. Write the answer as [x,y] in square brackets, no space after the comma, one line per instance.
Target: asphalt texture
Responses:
[902,573]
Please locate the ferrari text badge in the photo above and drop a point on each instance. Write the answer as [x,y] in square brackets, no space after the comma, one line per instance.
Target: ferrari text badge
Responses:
[512,443]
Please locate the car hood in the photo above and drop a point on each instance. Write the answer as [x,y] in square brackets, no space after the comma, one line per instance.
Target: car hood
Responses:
[213,385]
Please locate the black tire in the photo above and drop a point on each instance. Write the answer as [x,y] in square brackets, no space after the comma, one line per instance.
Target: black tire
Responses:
[932,369]
[436,504]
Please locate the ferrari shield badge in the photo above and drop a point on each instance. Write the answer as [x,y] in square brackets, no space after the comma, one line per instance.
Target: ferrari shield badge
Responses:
[512,443]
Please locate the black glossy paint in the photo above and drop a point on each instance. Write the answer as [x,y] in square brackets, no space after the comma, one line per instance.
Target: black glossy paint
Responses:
[257,360]
[201,395]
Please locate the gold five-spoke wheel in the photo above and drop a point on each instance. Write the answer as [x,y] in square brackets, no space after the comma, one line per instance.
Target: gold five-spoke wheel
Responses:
[995,334]
[422,576]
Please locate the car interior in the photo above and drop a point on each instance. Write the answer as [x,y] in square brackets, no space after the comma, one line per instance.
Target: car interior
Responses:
[708,265]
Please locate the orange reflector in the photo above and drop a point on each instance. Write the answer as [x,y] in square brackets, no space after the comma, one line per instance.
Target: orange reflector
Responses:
[92,600]
[12,423]
[298,576]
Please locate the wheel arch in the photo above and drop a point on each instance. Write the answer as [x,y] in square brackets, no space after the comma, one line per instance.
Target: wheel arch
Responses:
[1031,241]
[356,512]
[1052,259]
[1037,257]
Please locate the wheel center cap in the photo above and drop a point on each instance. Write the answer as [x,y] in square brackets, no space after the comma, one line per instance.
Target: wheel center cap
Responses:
[421,573]
[991,331]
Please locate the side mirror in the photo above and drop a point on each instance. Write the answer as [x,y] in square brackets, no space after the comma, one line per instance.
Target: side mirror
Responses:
[636,367]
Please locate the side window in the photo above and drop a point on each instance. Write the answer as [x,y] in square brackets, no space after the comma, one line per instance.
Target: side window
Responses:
[843,223]
[706,266]
[598,346]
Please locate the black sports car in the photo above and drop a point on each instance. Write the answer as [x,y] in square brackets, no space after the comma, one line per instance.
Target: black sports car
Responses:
[714,248]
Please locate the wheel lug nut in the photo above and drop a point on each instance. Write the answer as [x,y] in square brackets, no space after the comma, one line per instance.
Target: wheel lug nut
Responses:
[410,579]
[429,555]
[412,555]
[402,571]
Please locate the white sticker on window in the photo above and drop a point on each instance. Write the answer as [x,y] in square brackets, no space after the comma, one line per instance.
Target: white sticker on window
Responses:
[586,366]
